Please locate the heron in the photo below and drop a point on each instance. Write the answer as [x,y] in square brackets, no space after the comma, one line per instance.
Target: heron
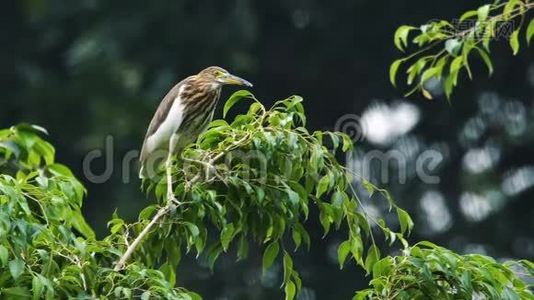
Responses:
[183,114]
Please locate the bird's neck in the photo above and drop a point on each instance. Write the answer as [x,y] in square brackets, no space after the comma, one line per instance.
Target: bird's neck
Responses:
[208,85]
[199,89]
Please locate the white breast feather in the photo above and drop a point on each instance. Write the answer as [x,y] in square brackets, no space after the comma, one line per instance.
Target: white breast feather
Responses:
[172,122]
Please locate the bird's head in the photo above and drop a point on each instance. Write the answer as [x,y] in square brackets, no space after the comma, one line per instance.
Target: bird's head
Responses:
[220,76]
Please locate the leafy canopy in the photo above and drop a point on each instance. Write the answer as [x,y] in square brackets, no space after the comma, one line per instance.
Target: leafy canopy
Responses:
[432,272]
[442,49]
[47,250]
[253,180]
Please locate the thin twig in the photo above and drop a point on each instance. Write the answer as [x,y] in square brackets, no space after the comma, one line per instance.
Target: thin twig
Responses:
[161,212]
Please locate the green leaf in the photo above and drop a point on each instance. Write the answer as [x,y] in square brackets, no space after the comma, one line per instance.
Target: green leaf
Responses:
[296,279]
[218,123]
[290,290]
[487,59]
[293,196]
[432,72]
[468,14]
[236,97]
[254,107]
[483,12]
[405,220]
[16,268]
[342,251]
[326,217]
[347,143]
[288,267]
[37,287]
[530,31]
[227,235]
[242,249]
[304,234]
[393,71]
[193,229]
[145,295]
[60,170]
[270,254]
[260,194]
[302,194]
[428,244]
[213,253]
[31,128]
[373,255]
[514,42]
[4,255]
[449,84]
[78,222]
[322,186]
[382,267]
[466,281]
[401,36]
[169,272]
[147,212]
[16,293]
[297,238]
[334,138]
[456,64]
[509,8]
[46,151]
[363,295]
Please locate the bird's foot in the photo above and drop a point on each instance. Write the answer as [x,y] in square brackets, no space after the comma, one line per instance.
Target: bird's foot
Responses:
[171,198]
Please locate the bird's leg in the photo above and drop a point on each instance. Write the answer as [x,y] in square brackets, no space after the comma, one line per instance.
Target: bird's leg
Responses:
[168,166]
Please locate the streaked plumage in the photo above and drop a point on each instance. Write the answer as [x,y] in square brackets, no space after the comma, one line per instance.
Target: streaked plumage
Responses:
[182,115]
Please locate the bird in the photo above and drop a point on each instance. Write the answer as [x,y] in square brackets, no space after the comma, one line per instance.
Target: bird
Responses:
[183,114]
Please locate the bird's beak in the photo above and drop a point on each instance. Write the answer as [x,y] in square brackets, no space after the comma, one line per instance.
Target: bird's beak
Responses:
[232,79]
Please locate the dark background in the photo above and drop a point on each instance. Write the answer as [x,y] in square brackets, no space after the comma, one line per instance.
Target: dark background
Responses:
[90,69]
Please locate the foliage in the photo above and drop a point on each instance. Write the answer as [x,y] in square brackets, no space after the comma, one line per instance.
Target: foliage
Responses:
[426,271]
[256,180]
[432,272]
[103,52]
[47,250]
[253,180]
[443,48]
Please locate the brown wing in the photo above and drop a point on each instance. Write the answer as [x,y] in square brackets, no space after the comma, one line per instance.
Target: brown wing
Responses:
[159,116]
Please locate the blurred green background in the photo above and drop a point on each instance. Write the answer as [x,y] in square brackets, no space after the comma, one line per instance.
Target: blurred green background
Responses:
[91,69]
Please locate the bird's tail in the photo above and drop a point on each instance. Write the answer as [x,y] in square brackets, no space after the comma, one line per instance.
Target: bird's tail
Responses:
[143,174]
[148,170]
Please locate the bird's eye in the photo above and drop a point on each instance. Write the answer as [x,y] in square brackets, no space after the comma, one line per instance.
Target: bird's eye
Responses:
[218,73]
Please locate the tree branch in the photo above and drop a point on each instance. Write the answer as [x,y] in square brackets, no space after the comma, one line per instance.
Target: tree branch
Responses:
[161,212]
[165,209]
